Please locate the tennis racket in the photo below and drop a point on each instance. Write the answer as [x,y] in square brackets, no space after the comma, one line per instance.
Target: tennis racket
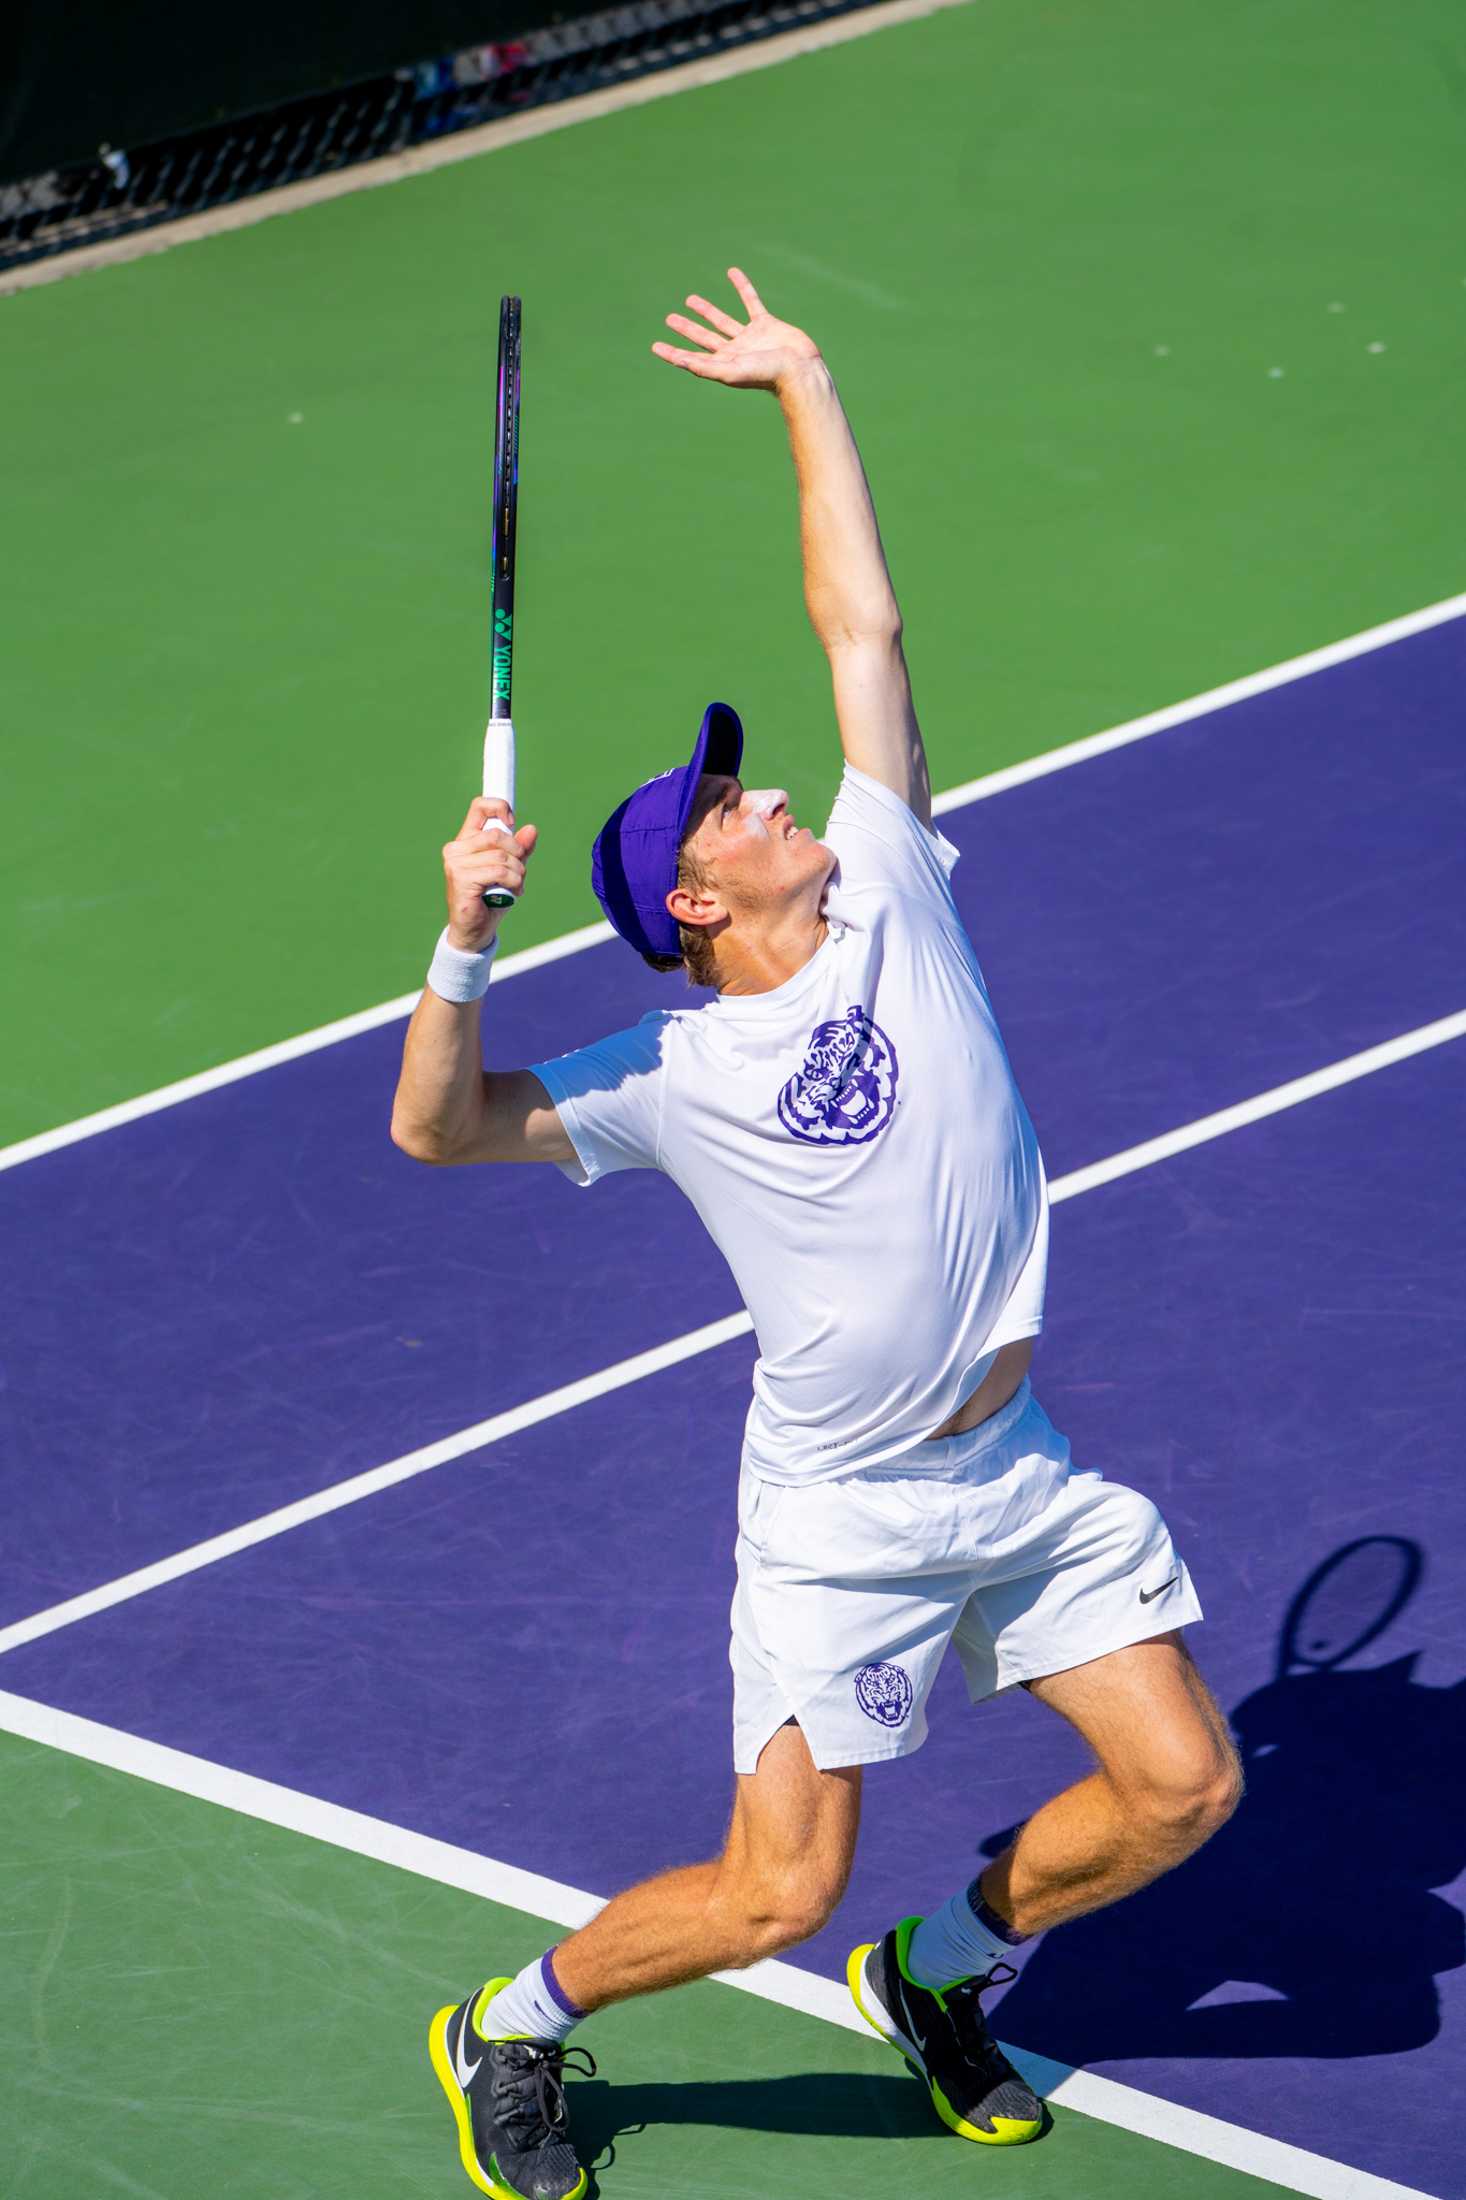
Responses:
[499,733]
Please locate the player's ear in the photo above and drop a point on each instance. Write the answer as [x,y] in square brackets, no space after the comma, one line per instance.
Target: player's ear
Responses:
[689,904]
[686,907]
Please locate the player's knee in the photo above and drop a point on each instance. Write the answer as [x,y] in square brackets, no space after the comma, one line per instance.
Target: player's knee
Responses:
[797,1917]
[780,1912]
[1191,1795]
[1212,1798]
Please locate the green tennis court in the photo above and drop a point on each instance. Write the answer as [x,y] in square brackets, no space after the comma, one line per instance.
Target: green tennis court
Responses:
[246,649]
[259,1981]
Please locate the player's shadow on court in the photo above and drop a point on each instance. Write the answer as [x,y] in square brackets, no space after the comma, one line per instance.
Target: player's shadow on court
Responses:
[816,2104]
[1309,1924]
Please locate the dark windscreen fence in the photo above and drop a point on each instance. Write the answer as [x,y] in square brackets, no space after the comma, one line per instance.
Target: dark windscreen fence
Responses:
[84,73]
[124,181]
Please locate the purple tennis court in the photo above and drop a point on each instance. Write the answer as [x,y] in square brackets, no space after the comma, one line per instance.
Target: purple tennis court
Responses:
[226,1306]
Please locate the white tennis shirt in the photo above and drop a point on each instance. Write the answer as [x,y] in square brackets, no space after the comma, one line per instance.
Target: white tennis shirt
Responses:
[856,1146]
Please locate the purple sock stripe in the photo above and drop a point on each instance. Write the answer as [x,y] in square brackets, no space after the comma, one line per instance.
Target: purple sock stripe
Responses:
[556,1991]
[988,1917]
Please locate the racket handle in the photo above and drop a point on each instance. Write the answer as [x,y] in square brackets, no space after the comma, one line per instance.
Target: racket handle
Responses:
[499,783]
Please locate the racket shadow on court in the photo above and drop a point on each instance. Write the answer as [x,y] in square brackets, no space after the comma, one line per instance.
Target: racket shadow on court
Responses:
[1355,1809]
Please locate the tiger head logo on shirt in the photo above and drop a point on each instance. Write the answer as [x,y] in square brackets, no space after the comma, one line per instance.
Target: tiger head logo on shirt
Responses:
[844,1091]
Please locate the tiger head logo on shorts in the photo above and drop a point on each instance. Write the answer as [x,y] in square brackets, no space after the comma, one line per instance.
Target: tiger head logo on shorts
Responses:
[884,1693]
[844,1091]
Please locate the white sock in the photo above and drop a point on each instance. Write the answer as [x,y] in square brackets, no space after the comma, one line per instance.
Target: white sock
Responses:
[963,1939]
[534,2006]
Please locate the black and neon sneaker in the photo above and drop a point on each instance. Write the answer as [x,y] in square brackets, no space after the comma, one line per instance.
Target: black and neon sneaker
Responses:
[944,2040]
[508,2101]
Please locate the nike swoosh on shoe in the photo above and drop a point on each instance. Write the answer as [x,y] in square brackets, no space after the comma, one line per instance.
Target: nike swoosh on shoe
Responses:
[465,2072]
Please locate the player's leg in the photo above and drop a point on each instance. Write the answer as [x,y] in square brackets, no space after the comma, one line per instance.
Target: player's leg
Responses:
[500,2055]
[1071,1567]
[782,1871]
[989,1489]
[1166,1778]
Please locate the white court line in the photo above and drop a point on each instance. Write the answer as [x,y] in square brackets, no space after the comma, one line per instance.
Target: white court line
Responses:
[591,935]
[1297,1089]
[1177,714]
[283,1050]
[350,1492]
[689,1346]
[1103,2099]
[487,137]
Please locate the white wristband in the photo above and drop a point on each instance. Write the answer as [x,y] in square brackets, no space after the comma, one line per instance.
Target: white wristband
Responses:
[455,975]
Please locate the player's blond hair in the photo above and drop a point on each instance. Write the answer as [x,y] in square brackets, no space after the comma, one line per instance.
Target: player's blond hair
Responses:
[696,956]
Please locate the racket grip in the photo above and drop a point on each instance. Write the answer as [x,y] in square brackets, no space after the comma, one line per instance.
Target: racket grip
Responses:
[499,783]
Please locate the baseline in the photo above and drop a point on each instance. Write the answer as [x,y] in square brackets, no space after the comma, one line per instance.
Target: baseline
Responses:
[1104,2099]
[992,783]
[688,1346]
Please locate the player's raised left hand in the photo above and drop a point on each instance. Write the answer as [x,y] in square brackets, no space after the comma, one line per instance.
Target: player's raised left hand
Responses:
[757,354]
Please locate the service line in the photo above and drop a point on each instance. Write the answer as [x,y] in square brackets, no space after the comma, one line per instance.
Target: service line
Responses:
[592,935]
[693,1342]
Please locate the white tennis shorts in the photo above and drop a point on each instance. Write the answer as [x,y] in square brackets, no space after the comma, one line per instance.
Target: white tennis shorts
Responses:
[849,1591]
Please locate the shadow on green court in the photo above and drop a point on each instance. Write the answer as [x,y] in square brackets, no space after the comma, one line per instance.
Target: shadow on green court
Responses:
[813,2104]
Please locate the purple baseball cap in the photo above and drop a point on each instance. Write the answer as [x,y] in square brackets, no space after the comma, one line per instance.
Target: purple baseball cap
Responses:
[633,866]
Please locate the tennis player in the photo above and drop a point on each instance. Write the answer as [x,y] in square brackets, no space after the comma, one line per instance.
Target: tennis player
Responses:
[842,1114]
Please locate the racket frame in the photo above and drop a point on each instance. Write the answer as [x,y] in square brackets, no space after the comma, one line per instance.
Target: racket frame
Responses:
[503,537]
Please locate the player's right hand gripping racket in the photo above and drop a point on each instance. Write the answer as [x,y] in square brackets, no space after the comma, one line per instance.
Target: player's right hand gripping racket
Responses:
[499,733]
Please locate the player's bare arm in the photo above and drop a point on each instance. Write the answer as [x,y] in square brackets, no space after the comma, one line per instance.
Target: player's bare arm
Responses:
[448,1107]
[847,584]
